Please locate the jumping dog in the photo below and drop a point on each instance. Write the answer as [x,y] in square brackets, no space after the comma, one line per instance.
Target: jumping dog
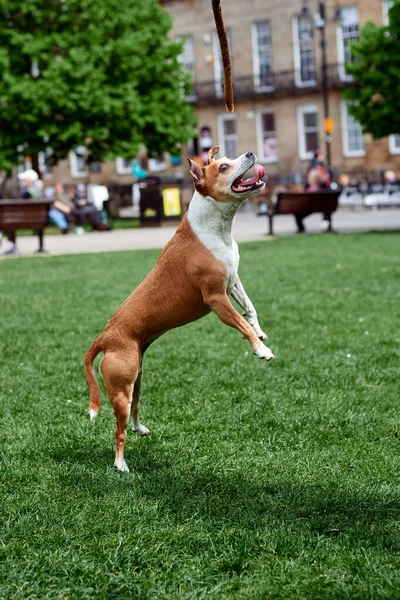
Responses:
[196,273]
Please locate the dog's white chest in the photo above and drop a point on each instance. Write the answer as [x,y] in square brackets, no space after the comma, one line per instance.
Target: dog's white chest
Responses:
[212,223]
[227,253]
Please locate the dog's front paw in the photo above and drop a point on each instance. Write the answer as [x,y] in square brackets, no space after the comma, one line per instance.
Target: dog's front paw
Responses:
[263,352]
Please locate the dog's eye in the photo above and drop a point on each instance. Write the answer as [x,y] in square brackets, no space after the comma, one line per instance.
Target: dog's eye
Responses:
[223,168]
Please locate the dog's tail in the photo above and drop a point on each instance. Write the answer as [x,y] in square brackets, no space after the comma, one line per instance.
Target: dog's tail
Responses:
[93,384]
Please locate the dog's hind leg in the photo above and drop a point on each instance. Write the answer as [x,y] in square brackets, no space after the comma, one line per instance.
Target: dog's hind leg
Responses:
[136,425]
[120,369]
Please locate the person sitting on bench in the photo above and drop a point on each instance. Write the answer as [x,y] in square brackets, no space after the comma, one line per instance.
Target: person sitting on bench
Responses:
[317,179]
[86,211]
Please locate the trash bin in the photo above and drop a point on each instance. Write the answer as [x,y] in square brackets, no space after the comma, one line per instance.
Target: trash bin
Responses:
[160,204]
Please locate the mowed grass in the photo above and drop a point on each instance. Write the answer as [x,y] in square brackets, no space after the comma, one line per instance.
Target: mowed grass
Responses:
[259,480]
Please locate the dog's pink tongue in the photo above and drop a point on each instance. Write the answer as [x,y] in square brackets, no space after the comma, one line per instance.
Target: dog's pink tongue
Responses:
[259,169]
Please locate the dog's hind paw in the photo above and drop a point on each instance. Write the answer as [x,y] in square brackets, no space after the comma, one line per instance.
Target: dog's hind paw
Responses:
[121,466]
[140,429]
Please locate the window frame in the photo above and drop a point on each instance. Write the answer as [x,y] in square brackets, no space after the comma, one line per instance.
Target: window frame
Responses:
[301,111]
[121,169]
[188,58]
[260,135]
[45,169]
[386,6]
[73,162]
[256,57]
[347,153]
[393,147]
[297,57]
[221,118]
[340,40]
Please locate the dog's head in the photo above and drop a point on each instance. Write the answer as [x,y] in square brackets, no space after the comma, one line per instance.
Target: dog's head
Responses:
[223,179]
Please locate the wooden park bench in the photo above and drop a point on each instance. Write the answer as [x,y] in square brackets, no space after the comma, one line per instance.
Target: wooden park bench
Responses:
[25,214]
[303,203]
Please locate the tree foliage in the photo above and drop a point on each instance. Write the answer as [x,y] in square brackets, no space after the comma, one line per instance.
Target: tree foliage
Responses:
[99,73]
[376,72]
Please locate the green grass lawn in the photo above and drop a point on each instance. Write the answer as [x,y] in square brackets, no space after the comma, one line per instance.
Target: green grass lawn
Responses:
[260,480]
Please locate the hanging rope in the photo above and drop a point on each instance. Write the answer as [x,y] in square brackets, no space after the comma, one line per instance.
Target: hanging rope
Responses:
[226,59]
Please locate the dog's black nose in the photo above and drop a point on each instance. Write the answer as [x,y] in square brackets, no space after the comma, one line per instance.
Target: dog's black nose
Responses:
[249,154]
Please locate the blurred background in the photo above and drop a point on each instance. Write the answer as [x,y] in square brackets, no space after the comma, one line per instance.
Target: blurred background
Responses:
[94,98]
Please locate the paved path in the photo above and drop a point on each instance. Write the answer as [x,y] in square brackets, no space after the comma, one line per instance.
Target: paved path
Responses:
[247,227]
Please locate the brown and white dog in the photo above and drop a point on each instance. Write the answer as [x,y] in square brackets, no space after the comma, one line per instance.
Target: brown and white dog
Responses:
[195,274]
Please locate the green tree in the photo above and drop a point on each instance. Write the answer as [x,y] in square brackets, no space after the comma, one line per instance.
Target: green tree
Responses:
[99,73]
[376,73]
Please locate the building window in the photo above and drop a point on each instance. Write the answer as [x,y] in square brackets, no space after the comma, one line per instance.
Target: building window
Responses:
[124,166]
[262,56]
[156,163]
[347,33]
[45,166]
[95,167]
[386,6]
[304,58]
[307,125]
[78,162]
[187,59]
[267,144]
[218,68]
[394,143]
[227,135]
[353,141]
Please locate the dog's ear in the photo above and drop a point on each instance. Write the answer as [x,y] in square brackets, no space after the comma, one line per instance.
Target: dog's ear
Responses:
[211,153]
[196,173]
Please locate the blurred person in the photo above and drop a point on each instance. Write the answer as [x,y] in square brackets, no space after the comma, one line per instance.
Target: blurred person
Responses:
[36,190]
[316,181]
[62,209]
[317,162]
[32,188]
[389,177]
[391,184]
[344,180]
[85,211]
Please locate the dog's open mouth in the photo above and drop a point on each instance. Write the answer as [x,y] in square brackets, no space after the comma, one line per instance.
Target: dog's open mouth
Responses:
[240,185]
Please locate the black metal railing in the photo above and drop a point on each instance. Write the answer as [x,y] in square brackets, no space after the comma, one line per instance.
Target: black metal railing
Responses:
[271,84]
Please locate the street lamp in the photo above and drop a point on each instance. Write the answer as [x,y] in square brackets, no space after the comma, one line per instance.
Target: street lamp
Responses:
[320,21]
[320,24]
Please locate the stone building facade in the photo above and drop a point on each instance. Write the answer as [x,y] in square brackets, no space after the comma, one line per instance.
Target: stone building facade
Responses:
[276,56]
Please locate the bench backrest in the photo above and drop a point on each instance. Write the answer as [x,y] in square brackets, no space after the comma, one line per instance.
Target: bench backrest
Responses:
[303,202]
[23,214]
